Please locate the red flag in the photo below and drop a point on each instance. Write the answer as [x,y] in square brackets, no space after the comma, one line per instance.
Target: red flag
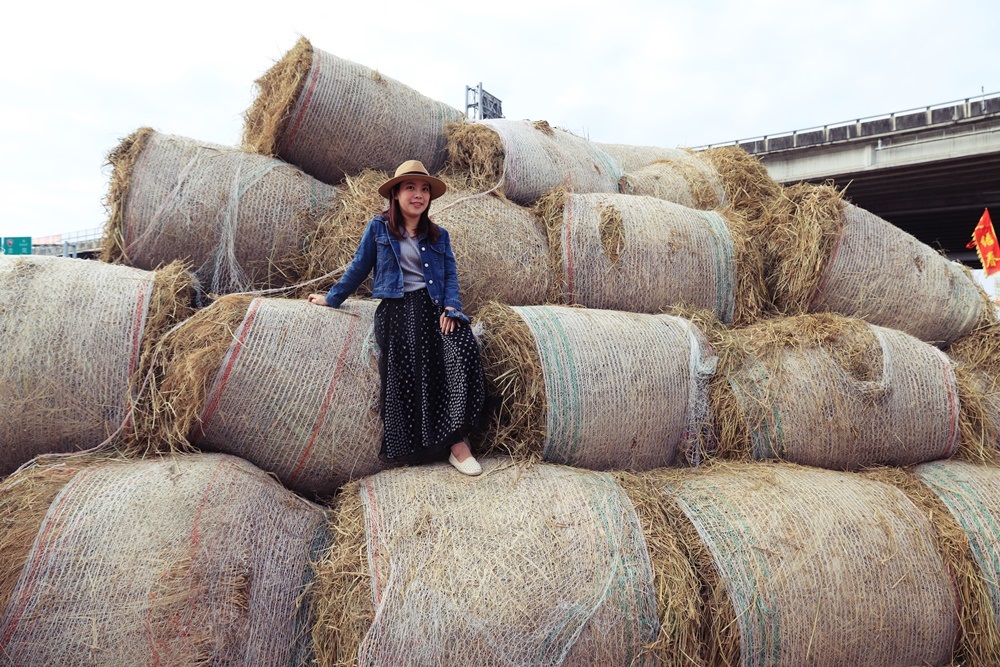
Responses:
[984,240]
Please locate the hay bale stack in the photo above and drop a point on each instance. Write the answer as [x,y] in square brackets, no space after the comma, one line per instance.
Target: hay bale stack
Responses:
[527,159]
[238,218]
[830,256]
[113,579]
[643,254]
[802,566]
[597,389]
[685,179]
[631,158]
[334,117]
[542,564]
[286,385]
[961,502]
[78,338]
[500,248]
[833,392]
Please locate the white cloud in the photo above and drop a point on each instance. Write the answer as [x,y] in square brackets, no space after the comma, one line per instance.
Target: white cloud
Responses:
[672,73]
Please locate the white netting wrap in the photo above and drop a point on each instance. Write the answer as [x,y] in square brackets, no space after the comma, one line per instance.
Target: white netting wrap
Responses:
[237,217]
[623,391]
[686,180]
[630,158]
[544,566]
[801,404]
[349,117]
[538,158]
[501,250]
[881,274]
[823,568]
[185,561]
[71,332]
[642,254]
[297,394]
[972,495]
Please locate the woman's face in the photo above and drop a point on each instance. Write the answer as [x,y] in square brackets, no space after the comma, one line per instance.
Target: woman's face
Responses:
[414,197]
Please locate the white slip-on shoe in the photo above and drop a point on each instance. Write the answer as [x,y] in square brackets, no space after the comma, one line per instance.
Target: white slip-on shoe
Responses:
[469,466]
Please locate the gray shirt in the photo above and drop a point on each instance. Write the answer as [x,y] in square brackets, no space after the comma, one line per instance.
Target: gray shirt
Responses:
[410,262]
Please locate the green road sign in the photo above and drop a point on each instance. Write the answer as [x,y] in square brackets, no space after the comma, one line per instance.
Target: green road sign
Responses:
[17,245]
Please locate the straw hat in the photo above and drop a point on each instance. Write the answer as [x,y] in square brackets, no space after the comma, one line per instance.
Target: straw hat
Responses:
[413,169]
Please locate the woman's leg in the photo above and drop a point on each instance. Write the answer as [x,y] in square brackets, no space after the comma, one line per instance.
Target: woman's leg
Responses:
[460,450]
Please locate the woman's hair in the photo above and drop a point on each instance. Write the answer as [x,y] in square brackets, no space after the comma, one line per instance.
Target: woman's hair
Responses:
[397,223]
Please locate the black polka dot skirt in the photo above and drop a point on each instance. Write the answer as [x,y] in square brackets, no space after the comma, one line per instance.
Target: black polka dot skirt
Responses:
[432,383]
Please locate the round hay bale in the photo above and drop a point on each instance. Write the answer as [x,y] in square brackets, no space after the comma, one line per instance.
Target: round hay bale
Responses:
[686,180]
[288,386]
[500,248]
[237,217]
[528,159]
[830,256]
[334,117]
[543,564]
[802,566]
[78,340]
[832,392]
[113,579]
[597,389]
[960,501]
[631,158]
[643,254]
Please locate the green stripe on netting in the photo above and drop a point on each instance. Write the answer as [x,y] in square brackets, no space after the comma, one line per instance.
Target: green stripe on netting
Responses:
[965,504]
[563,394]
[601,488]
[722,243]
[767,436]
[627,574]
[729,551]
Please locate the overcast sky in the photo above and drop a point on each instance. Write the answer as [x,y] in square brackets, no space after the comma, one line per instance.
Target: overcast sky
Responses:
[76,79]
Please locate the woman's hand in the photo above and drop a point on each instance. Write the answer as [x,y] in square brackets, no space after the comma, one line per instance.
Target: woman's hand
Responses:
[318,299]
[448,324]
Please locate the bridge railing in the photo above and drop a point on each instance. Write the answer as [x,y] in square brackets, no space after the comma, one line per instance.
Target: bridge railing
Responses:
[945,113]
[68,244]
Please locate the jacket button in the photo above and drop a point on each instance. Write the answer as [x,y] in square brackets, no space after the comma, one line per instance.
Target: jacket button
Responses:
[423,248]
[436,301]
[430,282]
[426,264]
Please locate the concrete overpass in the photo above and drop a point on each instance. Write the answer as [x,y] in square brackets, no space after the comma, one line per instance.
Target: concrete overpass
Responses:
[931,171]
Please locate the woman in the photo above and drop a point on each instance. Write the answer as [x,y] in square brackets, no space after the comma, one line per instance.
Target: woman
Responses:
[432,377]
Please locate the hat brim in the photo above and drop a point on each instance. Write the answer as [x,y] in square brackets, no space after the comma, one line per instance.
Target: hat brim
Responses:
[438,187]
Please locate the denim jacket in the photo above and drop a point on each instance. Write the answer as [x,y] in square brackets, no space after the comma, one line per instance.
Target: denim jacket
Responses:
[379,249]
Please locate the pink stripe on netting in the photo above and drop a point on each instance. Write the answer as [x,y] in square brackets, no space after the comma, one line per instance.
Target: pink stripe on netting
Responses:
[212,404]
[143,300]
[141,310]
[829,266]
[327,400]
[193,544]
[313,78]
[37,556]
